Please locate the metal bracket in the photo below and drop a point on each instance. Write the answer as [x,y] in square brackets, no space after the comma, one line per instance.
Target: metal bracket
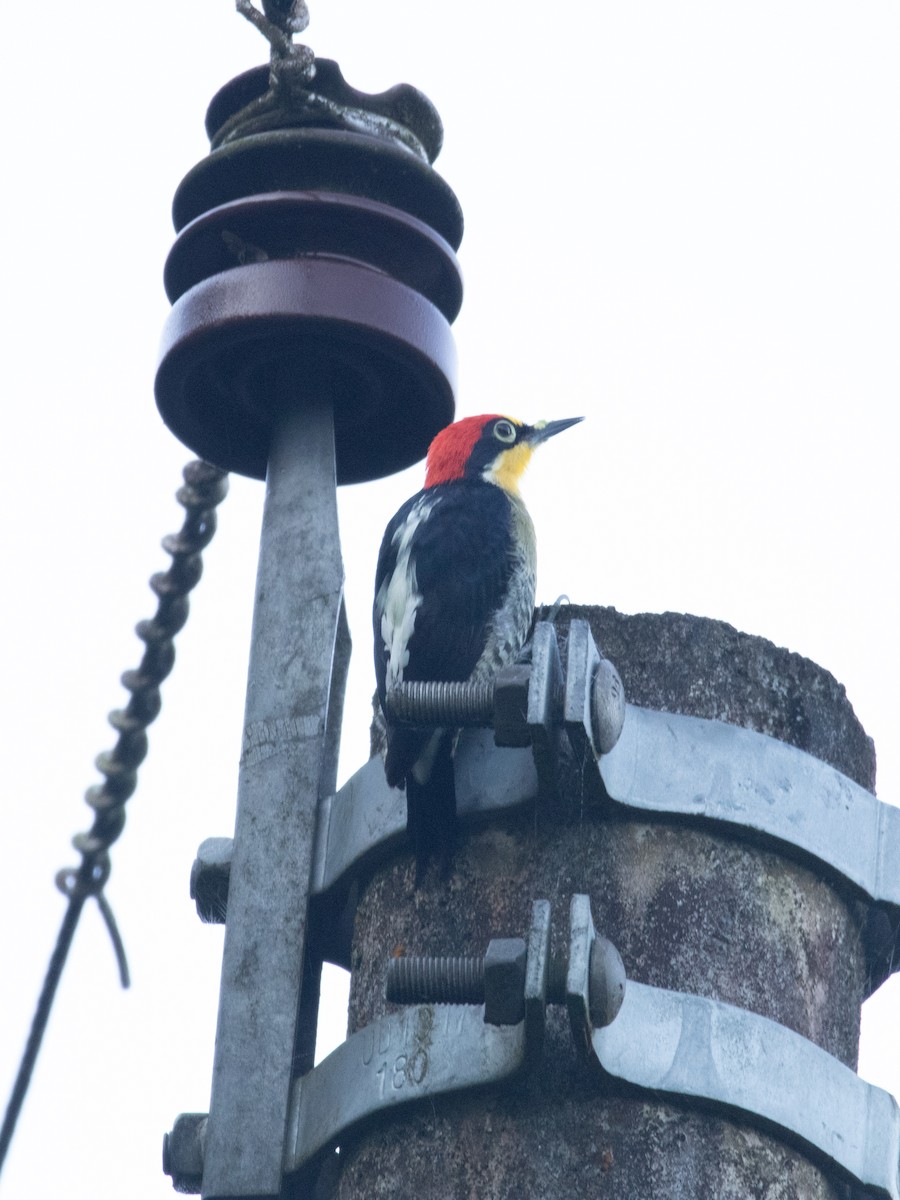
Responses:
[414,1055]
[422,1052]
[417,1054]
[594,698]
[663,763]
[365,820]
[680,1046]
[546,665]
[425,1051]
[527,700]
[691,767]
[690,1047]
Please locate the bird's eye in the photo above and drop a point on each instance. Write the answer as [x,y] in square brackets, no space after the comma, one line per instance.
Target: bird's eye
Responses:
[505,431]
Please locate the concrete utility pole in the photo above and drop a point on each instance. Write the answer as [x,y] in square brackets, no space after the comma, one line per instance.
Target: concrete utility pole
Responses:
[643,976]
[707,907]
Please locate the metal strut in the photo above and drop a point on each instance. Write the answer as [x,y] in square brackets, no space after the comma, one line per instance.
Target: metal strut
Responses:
[287,764]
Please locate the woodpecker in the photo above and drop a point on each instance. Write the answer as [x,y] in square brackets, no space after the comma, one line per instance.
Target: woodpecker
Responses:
[454,599]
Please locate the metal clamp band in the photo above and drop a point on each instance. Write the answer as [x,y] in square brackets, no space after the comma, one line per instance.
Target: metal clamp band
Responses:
[365,819]
[663,763]
[423,1052]
[677,1045]
[366,815]
[692,767]
[409,1056]
[691,1047]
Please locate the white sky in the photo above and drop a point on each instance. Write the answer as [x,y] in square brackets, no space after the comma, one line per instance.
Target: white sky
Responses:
[681,222]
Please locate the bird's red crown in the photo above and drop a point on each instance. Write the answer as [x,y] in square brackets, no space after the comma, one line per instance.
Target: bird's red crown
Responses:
[451,449]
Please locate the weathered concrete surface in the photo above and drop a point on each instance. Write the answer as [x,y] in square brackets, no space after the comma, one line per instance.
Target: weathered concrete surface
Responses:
[679,663]
[688,909]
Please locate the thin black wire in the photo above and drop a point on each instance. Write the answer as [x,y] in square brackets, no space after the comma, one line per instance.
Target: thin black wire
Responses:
[204,487]
[39,1022]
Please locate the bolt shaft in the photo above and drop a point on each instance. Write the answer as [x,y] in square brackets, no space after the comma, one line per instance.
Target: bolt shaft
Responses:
[443,703]
[454,980]
[458,980]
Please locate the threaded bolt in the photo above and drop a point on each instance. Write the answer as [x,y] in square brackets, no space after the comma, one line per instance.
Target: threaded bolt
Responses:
[428,980]
[183,1152]
[459,979]
[434,703]
[503,703]
[497,980]
[456,979]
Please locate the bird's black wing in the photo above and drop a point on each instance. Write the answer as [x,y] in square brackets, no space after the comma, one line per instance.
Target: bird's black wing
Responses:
[461,560]
[463,557]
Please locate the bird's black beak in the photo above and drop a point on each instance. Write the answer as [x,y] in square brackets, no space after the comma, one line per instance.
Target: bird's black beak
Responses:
[548,429]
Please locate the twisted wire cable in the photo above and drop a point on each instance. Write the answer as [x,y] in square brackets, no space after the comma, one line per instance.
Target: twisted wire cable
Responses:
[204,487]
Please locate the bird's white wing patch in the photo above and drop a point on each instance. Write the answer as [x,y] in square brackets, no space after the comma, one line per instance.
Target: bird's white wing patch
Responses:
[398,597]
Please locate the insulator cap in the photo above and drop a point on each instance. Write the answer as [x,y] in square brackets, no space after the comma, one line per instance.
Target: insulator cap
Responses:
[315,256]
[249,104]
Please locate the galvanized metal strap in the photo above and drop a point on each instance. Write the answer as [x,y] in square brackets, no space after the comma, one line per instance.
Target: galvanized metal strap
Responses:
[675,1045]
[365,820]
[422,1052]
[407,1057]
[687,766]
[410,1056]
[366,817]
[664,763]
[698,1049]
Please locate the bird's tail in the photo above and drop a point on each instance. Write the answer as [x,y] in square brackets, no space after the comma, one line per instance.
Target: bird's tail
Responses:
[431,809]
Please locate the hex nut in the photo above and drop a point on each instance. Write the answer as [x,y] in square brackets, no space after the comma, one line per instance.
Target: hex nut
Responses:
[183,1152]
[511,706]
[504,981]
[210,877]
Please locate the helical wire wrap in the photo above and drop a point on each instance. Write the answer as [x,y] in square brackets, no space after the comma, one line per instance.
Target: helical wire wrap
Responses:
[204,488]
